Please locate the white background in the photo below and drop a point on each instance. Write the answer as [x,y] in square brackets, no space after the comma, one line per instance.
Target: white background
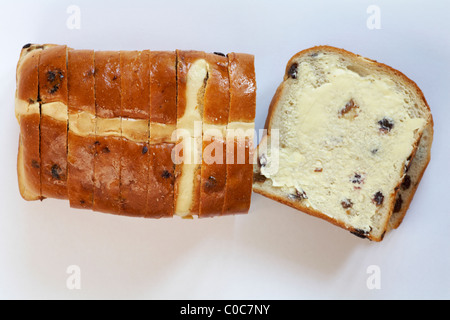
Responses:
[274,252]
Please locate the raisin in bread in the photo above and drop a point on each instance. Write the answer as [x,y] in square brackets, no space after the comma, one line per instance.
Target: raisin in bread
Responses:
[341,133]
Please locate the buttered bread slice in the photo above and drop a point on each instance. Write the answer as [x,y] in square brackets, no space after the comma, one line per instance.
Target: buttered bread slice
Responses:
[342,131]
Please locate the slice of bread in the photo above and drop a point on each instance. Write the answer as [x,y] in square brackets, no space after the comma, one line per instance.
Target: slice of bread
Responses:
[27,110]
[108,132]
[81,133]
[240,133]
[192,76]
[53,123]
[341,132]
[215,119]
[163,121]
[135,113]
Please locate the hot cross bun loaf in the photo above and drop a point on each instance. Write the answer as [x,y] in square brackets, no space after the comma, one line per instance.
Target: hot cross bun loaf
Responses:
[101,129]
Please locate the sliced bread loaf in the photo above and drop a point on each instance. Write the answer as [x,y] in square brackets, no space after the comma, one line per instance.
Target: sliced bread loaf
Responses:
[341,133]
[124,132]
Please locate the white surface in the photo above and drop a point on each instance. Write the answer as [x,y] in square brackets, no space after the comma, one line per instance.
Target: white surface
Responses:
[274,252]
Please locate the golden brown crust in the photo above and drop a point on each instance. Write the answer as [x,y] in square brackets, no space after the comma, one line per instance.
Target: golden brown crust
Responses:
[53,132]
[107,148]
[242,79]
[163,87]
[215,112]
[243,87]
[80,154]
[135,84]
[81,83]
[107,84]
